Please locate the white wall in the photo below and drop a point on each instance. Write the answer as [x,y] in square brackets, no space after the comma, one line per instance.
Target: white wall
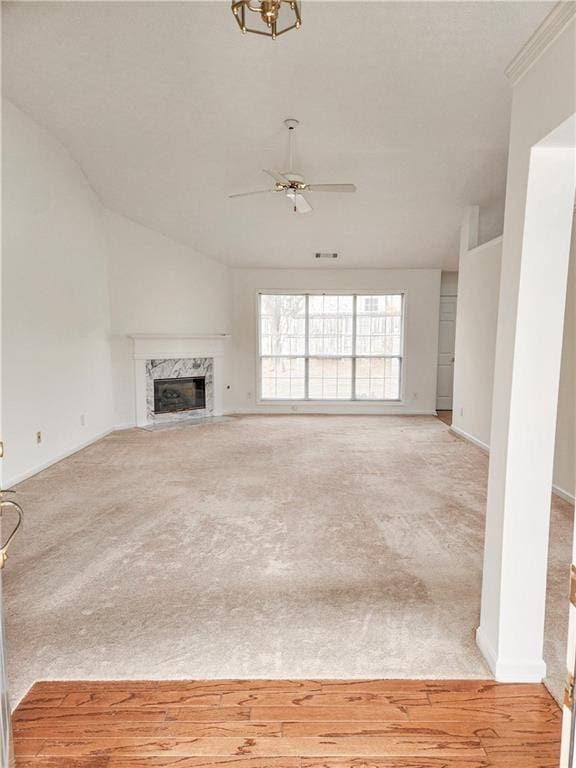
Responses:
[449,284]
[478,292]
[535,257]
[55,314]
[565,453]
[76,280]
[158,286]
[422,288]
[476,320]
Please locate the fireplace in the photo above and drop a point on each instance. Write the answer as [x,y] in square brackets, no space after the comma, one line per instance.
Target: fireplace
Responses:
[158,358]
[180,394]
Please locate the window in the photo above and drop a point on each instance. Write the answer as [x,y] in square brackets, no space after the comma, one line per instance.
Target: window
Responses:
[327,347]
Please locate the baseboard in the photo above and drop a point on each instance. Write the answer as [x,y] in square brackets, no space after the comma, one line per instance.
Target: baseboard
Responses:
[529,671]
[288,411]
[486,650]
[478,443]
[10,481]
[126,425]
[560,492]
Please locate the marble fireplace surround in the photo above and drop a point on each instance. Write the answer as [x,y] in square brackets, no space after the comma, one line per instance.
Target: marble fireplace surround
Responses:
[164,356]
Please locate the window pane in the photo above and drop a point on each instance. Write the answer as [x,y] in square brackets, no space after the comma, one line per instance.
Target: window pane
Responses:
[378,378]
[282,325]
[378,325]
[330,378]
[330,325]
[282,378]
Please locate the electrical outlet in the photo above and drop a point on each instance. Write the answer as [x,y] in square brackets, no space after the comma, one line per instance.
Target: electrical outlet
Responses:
[82,419]
[461,411]
[38,437]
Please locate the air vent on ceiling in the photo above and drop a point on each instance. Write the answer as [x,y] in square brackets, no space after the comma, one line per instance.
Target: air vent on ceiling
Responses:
[326,255]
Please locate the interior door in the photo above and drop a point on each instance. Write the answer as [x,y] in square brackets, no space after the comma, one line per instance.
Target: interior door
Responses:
[446,339]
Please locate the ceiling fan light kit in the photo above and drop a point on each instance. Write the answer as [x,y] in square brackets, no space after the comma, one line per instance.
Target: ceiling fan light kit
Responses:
[268,11]
[292,184]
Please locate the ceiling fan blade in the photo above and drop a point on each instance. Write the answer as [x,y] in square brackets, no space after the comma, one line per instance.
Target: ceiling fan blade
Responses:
[301,204]
[330,187]
[278,177]
[259,192]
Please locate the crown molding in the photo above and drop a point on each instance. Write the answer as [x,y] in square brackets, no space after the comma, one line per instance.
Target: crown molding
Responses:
[552,26]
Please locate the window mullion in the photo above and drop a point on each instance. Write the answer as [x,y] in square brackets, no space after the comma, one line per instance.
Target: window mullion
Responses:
[354,298]
[306,349]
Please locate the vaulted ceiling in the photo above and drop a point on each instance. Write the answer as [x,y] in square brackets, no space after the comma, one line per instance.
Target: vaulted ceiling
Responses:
[168,108]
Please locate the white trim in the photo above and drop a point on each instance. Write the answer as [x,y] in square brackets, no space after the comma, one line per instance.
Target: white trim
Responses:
[560,492]
[158,355]
[529,671]
[353,356]
[465,436]
[552,26]
[179,335]
[486,245]
[56,459]
[299,409]
[126,425]
[569,497]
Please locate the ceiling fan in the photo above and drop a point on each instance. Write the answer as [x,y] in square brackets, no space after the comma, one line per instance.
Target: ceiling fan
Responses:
[292,184]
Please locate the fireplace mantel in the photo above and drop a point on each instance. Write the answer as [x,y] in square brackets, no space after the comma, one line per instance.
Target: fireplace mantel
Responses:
[174,346]
[179,335]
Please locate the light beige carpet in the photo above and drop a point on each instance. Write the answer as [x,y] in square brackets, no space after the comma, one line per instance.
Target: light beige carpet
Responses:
[298,546]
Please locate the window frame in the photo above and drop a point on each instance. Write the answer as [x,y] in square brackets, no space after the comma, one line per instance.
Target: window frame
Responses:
[353,356]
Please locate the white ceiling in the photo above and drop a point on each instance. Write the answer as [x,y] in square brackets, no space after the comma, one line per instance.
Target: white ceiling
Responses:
[168,108]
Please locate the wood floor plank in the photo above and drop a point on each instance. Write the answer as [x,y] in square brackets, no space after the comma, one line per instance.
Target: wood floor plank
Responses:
[394,762]
[126,698]
[106,761]
[27,747]
[55,715]
[529,732]
[384,685]
[215,715]
[489,691]
[488,712]
[323,714]
[38,696]
[505,748]
[167,729]
[330,699]
[437,730]
[267,747]
[201,687]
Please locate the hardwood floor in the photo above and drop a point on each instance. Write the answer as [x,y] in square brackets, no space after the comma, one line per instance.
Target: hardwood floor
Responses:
[445,416]
[287,724]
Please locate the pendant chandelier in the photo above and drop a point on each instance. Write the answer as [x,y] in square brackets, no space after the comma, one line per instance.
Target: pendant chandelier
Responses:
[268,12]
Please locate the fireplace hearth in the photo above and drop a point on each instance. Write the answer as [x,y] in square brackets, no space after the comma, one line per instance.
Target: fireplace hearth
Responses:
[179,394]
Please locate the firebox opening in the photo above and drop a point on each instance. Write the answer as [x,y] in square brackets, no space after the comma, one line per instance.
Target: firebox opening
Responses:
[184,394]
